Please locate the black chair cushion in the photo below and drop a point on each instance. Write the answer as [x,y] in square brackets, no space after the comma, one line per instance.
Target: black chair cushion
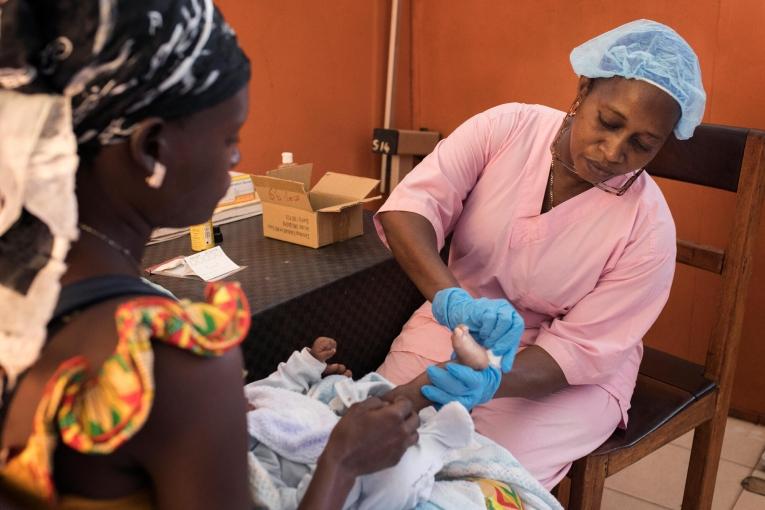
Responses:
[666,385]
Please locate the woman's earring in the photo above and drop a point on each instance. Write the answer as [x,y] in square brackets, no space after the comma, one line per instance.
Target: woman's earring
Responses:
[157,176]
[236,157]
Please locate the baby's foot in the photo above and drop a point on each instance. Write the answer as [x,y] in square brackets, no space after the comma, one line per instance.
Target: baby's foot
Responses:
[337,369]
[323,348]
[468,351]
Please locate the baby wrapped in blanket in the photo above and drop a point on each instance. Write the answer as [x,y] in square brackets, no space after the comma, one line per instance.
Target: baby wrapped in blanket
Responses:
[293,411]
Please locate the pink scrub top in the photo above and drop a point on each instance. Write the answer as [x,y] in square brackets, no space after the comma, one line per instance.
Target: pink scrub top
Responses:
[589,277]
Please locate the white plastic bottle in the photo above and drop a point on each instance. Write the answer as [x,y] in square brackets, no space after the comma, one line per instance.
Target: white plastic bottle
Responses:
[287,159]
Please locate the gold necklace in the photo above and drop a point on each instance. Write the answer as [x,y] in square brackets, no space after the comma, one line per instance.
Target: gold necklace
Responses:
[566,124]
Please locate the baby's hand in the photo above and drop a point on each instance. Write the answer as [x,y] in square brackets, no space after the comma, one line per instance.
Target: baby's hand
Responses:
[323,348]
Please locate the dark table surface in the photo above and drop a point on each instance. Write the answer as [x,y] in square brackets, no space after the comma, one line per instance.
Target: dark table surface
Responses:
[353,291]
[276,271]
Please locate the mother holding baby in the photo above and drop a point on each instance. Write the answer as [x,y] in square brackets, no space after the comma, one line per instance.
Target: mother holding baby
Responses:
[562,249]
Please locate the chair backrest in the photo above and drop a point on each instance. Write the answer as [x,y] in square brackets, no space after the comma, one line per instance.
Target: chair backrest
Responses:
[731,159]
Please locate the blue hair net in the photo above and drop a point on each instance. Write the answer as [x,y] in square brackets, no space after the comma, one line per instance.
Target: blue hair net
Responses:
[652,52]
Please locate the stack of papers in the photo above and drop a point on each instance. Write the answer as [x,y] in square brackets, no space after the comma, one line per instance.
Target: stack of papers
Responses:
[161,235]
[240,202]
[209,265]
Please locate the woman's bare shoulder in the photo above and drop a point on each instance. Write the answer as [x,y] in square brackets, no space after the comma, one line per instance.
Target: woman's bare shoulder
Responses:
[197,422]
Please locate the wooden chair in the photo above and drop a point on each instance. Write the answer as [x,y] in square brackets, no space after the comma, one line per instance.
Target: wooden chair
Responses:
[672,395]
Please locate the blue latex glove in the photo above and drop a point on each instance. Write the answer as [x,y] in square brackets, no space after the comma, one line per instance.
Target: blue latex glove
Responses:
[462,384]
[494,323]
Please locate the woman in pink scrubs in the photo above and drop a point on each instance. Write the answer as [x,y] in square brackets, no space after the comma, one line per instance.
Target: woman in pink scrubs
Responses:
[553,220]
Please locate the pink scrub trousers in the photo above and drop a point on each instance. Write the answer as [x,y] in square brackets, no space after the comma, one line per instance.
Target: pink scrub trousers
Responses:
[546,434]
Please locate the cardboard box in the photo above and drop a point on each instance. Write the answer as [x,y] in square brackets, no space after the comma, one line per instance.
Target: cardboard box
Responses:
[330,212]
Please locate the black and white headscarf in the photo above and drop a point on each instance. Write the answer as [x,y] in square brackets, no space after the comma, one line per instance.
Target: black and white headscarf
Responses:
[122,60]
[81,74]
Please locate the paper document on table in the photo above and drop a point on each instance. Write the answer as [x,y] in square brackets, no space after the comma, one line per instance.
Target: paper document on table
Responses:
[174,267]
[212,264]
[209,265]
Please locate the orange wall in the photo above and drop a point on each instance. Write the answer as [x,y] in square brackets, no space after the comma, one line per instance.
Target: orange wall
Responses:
[318,82]
[318,90]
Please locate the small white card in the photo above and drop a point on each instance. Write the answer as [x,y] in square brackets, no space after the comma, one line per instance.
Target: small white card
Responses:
[210,265]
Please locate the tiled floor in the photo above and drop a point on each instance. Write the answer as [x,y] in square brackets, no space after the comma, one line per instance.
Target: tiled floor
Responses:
[657,482]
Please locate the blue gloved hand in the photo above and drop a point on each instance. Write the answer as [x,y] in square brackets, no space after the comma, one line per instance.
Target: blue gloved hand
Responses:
[462,384]
[494,323]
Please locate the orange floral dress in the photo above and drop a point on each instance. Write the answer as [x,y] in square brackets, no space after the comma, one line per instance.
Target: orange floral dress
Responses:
[97,415]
